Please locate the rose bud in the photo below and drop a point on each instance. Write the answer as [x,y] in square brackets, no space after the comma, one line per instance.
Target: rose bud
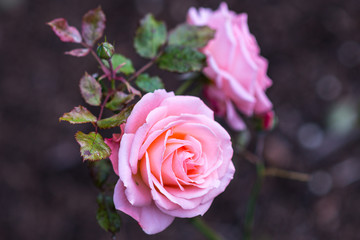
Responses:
[265,121]
[105,50]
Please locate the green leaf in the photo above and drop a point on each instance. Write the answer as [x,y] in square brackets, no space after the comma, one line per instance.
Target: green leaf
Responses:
[115,120]
[100,172]
[93,25]
[191,36]
[90,90]
[106,215]
[118,100]
[181,59]
[78,115]
[117,60]
[147,83]
[92,146]
[149,36]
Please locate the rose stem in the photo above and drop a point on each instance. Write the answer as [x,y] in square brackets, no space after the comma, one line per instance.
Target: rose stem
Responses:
[260,174]
[110,75]
[281,173]
[277,172]
[103,67]
[208,232]
[102,108]
[145,67]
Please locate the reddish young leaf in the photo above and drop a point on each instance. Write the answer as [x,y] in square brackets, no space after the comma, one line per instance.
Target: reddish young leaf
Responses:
[65,32]
[90,90]
[93,25]
[80,52]
[78,115]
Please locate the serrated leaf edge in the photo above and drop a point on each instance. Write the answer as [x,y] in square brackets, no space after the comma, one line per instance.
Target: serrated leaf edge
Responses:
[84,157]
[69,121]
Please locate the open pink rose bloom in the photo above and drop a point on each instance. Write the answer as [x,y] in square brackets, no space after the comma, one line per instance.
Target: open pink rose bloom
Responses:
[173,159]
[237,70]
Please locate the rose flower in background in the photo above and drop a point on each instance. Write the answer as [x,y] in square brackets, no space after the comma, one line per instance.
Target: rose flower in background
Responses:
[173,160]
[235,67]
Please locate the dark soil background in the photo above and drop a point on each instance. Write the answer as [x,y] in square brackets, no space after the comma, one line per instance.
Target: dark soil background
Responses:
[313,48]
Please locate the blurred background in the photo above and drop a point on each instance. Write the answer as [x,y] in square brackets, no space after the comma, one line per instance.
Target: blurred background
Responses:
[313,50]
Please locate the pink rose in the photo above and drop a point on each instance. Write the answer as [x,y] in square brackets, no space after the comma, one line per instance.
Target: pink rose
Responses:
[234,63]
[173,160]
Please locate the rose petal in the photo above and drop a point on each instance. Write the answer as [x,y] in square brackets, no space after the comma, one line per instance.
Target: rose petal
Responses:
[244,100]
[217,99]
[182,202]
[224,182]
[148,102]
[199,18]
[186,105]
[208,140]
[225,142]
[168,176]
[213,49]
[153,221]
[232,118]
[150,218]
[156,153]
[159,191]
[114,146]
[137,141]
[188,213]
[250,42]
[263,103]
[237,93]
[136,191]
